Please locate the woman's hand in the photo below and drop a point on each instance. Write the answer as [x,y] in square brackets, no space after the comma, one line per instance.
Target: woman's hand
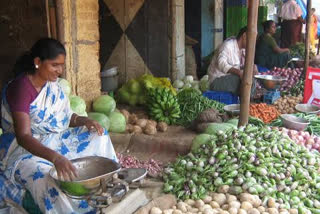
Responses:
[94,125]
[65,169]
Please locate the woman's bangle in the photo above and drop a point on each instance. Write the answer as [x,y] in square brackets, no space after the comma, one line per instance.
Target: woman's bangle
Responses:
[75,119]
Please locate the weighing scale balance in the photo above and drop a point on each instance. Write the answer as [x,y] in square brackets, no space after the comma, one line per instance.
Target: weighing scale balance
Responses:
[271,85]
[101,181]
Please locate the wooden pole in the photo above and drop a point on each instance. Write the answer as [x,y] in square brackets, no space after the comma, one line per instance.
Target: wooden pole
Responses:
[307,42]
[249,63]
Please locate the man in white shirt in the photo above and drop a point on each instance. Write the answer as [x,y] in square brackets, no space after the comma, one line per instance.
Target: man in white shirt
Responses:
[291,25]
[226,68]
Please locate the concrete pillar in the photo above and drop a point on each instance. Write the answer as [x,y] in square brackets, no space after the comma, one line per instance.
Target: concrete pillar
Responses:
[178,40]
[78,29]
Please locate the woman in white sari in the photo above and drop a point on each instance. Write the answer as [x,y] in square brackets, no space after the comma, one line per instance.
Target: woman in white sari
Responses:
[40,130]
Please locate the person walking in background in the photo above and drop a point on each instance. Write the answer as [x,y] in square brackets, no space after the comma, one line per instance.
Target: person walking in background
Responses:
[313,28]
[291,24]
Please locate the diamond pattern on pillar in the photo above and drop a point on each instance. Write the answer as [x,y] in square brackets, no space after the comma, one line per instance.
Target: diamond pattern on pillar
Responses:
[117,9]
[110,33]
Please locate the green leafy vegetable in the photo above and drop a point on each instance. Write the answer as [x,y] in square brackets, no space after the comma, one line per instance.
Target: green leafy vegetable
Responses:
[104,104]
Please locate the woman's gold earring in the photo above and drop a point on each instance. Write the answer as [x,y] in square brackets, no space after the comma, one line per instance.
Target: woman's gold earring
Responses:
[37,66]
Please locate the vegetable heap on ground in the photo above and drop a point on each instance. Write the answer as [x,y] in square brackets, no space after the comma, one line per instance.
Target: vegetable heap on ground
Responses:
[192,103]
[250,159]
[286,104]
[266,113]
[136,90]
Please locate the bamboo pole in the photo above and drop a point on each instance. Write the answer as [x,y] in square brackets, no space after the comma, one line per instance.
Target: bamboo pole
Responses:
[307,43]
[249,63]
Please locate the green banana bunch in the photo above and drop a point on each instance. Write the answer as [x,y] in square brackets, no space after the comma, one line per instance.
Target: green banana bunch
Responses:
[163,105]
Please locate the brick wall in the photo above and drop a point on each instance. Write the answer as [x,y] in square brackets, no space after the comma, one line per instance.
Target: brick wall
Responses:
[79,31]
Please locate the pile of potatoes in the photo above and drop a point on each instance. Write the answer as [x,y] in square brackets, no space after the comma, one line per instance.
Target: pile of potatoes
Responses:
[139,123]
[286,104]
[224,203]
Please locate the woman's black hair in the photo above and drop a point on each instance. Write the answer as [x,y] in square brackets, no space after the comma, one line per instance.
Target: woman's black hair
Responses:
[45,48]
[267,25]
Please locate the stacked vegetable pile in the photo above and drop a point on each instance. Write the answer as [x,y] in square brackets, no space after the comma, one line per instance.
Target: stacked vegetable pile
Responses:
[137,124]
[303,138]
[163,105]
[104,112]
[77,104]
[286,104]
[192,103]
[154,167]
[293,76]
[136,90]
[189,82]
[225,203]
[257,160]
[266,113]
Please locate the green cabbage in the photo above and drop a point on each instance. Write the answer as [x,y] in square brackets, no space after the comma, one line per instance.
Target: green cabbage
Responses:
[65,85]
[200,140]
[117,122]
[104,104]
[78,105]
[102,119]
[214,128]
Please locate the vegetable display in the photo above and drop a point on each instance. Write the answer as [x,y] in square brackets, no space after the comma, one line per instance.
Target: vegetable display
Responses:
[292,75]
[314,126]
[104,104]
[303,138]
[136,90]
[297,89]
[163,105]
[78,105]
[260,161]
[225,203]
[286,104]
[102,119]
[117,122]
[189,82]
[266,113]
[192,103]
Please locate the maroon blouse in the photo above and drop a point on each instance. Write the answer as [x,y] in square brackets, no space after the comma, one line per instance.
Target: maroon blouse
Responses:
[20,94]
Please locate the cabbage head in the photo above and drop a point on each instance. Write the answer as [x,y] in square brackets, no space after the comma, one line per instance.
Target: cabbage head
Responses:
[102,119]
[65,85]
[117,122]
[78,105]
[104,104]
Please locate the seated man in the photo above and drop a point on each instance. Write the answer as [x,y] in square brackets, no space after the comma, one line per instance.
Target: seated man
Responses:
[226,68]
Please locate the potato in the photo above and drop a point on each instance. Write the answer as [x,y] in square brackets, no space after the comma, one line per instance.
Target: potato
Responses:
[223,189]
[261,209]
[137,129]
[235,204]
[271,203]
[231,198]
[220,198]
[155,210]
[246,205]
[293,211]
[182,206]
[169,211]
[272,211]
[242,211]
[190,202]
[199,203]
[142,123]
[253,211]
[206,206]
[225,206]
[233,210]
[133,119]
[207,199]
[162,126]
[214,204]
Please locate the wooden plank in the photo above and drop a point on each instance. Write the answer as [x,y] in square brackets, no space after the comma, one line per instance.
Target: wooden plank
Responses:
[307,42]
[178,40]
[248,70]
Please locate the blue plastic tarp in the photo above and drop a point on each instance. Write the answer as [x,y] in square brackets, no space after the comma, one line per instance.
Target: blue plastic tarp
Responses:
[303,5]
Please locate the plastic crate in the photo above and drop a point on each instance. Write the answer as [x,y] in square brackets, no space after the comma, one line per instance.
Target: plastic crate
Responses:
[222,97]
[271,96]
